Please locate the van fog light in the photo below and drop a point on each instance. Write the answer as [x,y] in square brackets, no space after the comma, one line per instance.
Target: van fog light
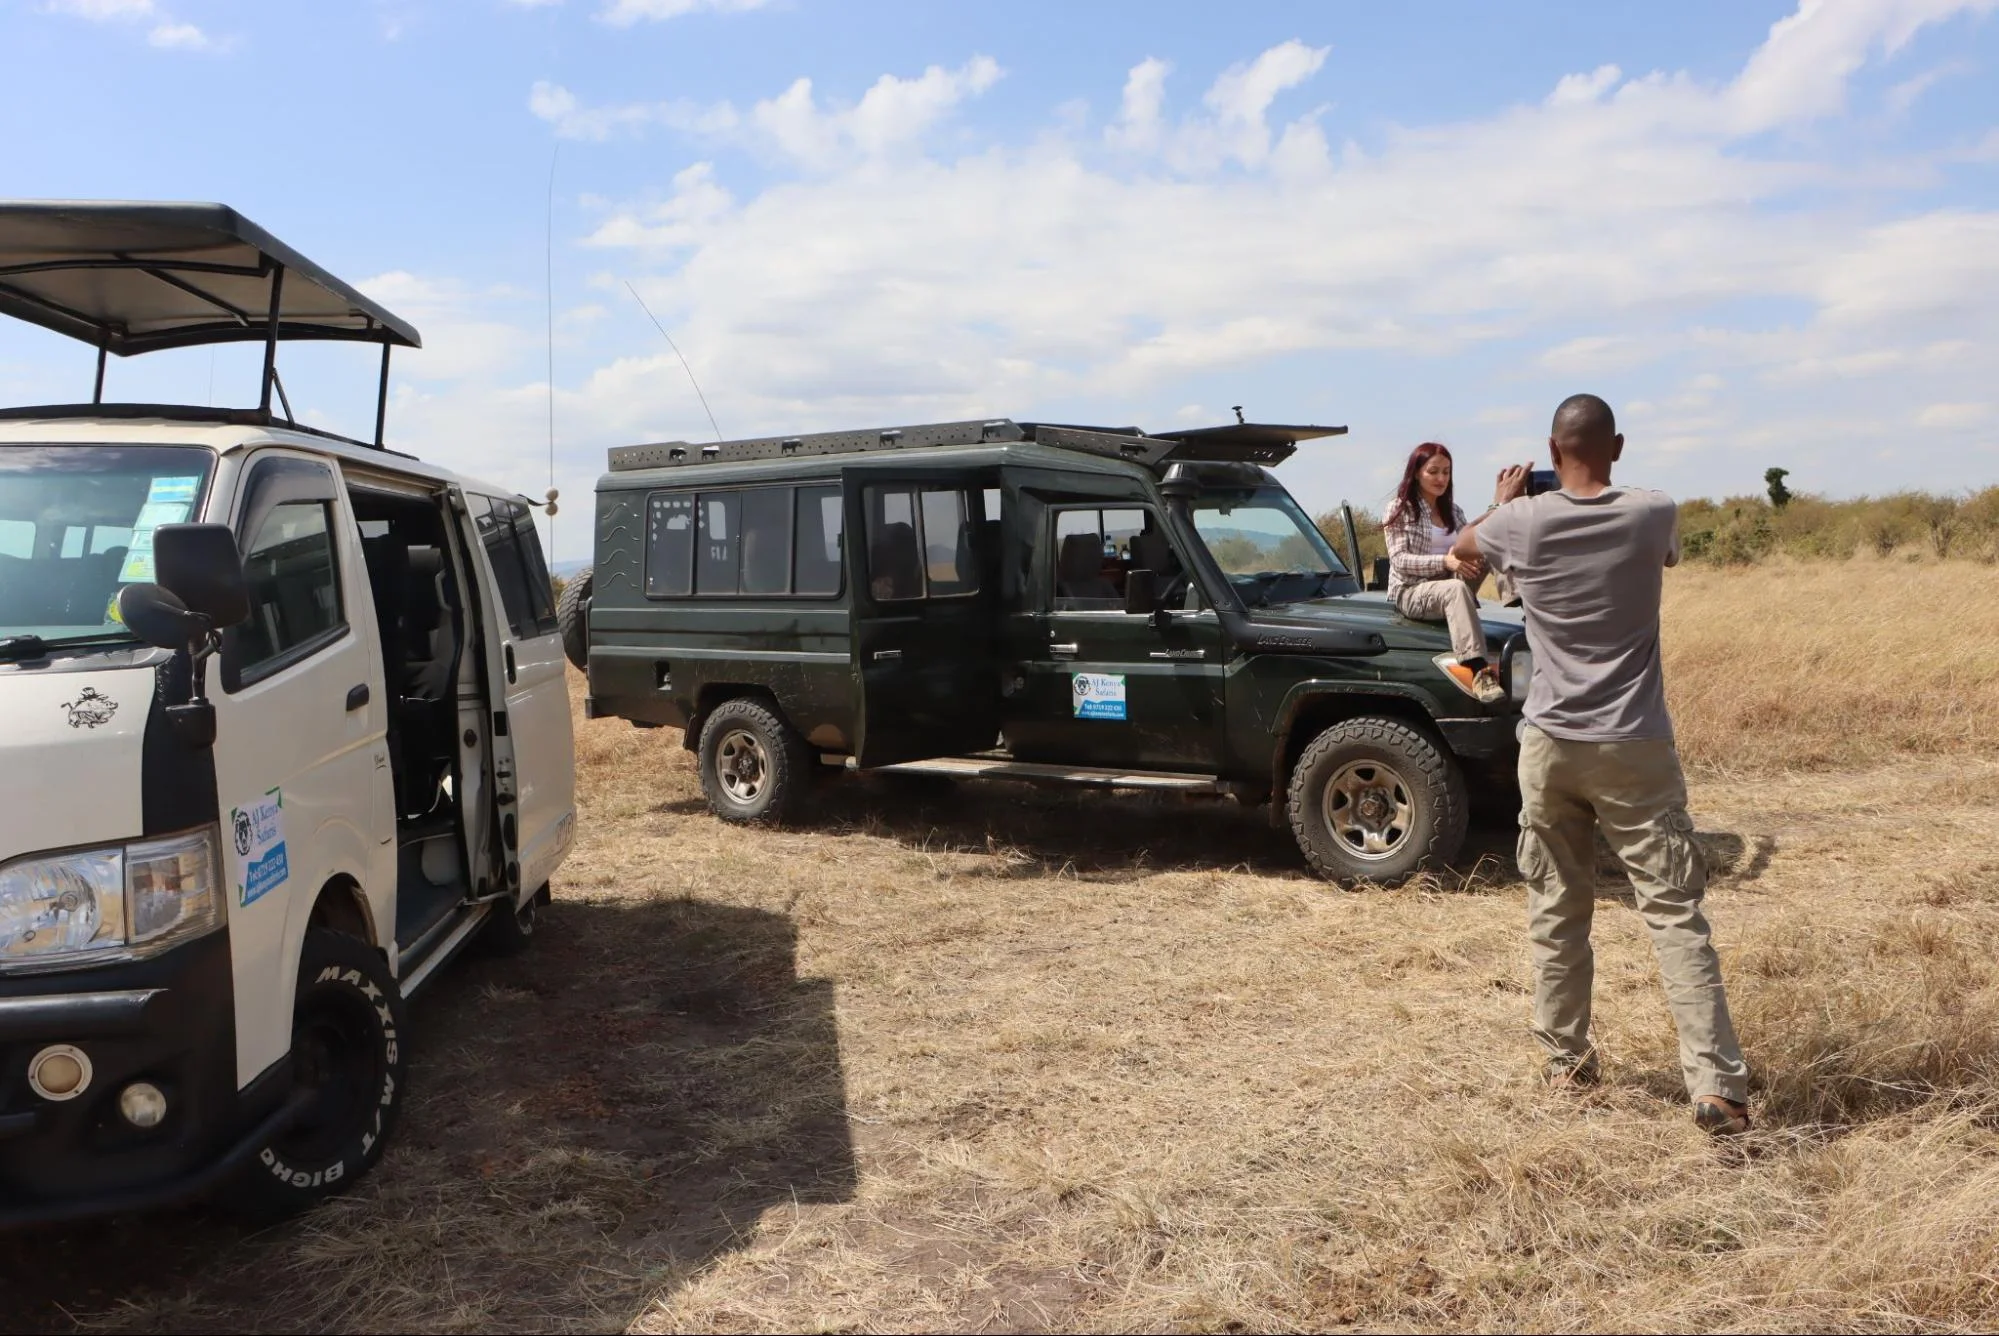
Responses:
[59,1072]
[143,1104]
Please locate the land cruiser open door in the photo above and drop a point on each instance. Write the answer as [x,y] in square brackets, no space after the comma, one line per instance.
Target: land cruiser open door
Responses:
[924,579]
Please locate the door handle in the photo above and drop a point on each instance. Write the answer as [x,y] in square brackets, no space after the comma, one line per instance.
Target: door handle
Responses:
[513,673]
[882,654]
[1065,651]
[357,697]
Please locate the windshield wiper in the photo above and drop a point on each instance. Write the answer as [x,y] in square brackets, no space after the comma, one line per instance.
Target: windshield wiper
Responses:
[38,647]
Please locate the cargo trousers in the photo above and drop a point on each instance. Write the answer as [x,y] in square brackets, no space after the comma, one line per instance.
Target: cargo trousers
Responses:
[1635,793]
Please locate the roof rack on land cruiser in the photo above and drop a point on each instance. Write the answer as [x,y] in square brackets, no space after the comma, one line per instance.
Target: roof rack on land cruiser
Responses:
[1237,442]
[131,278]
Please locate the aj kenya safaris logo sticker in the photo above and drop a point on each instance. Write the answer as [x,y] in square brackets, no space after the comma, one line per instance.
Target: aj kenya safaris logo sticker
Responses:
[90,709]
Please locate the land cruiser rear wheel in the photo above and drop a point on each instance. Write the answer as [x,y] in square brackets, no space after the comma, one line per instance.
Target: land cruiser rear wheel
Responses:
[348,1064]
[572,617]
[754,766]
[1376,800]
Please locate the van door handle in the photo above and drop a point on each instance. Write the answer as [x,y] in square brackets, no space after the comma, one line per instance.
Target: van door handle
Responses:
[513,673]
[357,697]
[1067,651]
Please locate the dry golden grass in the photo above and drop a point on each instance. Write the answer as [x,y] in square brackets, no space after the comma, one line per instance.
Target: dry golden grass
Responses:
[1003,1059]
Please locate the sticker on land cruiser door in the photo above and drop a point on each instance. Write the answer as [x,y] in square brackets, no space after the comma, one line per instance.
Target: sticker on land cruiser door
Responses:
[258,833]
[1097,695]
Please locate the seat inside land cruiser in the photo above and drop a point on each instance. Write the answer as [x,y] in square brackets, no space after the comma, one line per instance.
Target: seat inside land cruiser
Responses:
[895,565]
[1079,569]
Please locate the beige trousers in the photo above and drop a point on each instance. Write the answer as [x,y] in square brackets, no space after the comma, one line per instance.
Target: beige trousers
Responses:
[1636,795]
[1448,600]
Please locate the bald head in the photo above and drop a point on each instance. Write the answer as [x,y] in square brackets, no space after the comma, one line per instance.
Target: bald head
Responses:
[1584,442]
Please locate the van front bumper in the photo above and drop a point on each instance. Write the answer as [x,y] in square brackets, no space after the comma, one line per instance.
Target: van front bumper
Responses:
[170,1022]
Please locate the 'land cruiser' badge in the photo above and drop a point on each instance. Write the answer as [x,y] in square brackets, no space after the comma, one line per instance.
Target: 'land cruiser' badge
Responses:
[1097,695]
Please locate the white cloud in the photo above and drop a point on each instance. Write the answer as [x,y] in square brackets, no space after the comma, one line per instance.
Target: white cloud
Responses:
[624,13]
[1954,416]
[180,37]
[884,278]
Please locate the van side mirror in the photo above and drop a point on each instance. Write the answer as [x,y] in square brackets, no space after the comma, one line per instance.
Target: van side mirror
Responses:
[1141,593]
[199,565]
[158,618]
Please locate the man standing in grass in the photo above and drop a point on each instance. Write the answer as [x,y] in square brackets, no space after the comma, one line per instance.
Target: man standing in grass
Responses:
[1597,752]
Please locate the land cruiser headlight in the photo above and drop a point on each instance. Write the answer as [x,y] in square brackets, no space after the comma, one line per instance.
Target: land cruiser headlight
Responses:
[126,901]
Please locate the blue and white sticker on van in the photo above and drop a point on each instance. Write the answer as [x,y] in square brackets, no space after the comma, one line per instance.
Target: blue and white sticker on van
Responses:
[1097,695]
[258,834]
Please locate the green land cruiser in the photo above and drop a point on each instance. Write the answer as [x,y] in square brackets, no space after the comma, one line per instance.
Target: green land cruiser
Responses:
[1028,601]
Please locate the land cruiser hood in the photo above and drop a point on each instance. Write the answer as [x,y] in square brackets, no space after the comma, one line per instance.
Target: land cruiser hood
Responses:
[72,753]
[1374,614]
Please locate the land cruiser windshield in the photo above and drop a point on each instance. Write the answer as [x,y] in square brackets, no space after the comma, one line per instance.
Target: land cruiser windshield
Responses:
[1265,544]
[76,524]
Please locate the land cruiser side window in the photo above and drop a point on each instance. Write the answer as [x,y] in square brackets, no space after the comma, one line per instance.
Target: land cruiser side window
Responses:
[816,556]
[920,541]
[294,586]
[1095,552]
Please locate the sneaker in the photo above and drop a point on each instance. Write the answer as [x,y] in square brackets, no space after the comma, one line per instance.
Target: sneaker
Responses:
[1720,1117]
[1483,683]
[1565,1071]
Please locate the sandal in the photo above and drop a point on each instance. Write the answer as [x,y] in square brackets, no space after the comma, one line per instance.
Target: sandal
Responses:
[1565,1071]
[1720,1117]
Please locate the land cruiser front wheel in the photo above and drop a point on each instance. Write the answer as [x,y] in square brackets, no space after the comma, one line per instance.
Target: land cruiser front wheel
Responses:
[754,766]
[1376,800]
[349,1071]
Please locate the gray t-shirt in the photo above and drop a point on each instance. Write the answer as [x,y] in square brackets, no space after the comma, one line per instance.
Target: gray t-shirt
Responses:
[1589,572]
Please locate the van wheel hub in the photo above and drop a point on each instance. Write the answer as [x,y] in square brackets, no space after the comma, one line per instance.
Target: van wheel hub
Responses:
[1369,809]
[743,766]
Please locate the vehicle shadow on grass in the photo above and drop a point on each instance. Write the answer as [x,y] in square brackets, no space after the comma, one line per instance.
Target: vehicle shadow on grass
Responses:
[1116,836]
[590,1126]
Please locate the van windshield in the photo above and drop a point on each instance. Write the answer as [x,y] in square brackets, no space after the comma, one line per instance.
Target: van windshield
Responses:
[1265,544]
[76,524]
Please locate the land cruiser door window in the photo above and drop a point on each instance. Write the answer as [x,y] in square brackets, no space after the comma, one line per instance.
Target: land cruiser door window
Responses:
[924,622]
[1102,686]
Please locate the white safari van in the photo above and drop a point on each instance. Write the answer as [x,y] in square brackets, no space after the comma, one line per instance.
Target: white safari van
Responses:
[283,726]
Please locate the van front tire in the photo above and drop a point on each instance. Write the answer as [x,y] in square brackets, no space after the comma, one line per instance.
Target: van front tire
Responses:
[1375,799]
[348,1059]
[754,766]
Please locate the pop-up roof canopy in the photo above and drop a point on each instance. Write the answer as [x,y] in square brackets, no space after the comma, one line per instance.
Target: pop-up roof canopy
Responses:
[132,278]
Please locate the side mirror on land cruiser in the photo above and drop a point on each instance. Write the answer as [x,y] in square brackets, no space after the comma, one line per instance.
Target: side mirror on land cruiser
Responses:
[1141,593]
[201,590]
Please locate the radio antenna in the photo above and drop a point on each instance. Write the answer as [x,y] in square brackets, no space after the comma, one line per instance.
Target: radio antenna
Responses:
[677,353]
[548,275]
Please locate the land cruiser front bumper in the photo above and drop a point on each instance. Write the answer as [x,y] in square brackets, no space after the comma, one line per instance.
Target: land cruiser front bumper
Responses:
[169,1022]
[1487,738]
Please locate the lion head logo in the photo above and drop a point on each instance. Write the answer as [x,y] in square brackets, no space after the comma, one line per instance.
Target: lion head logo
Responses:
[90,709]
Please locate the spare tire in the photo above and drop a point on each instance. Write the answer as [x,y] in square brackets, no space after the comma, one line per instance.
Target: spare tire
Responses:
[572,615]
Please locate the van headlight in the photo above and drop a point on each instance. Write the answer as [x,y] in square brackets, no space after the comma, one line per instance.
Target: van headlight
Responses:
[122,902]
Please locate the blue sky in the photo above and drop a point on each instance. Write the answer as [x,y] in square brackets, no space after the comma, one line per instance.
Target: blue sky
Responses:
[1769,233]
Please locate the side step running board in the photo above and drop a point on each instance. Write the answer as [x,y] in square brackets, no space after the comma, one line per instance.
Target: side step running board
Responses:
[997,767]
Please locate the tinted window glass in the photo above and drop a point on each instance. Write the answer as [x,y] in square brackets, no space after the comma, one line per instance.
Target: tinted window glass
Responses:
[766,514]
[496,530]
[816,560]
[294,589]
[670,546]
[717,540]
[948,550]
[895,552]
[1095,552]
[541,593]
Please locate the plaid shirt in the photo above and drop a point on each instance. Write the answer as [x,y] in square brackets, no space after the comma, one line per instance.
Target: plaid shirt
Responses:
[1407,531]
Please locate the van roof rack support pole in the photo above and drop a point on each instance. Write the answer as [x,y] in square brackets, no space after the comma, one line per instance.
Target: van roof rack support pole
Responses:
[97,394]
[382,397]
[271,336]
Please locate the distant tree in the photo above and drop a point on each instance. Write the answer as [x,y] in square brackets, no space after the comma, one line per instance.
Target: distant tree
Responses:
[1780,495]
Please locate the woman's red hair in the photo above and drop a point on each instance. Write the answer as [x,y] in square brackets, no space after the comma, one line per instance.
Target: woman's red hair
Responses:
[1410,492]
